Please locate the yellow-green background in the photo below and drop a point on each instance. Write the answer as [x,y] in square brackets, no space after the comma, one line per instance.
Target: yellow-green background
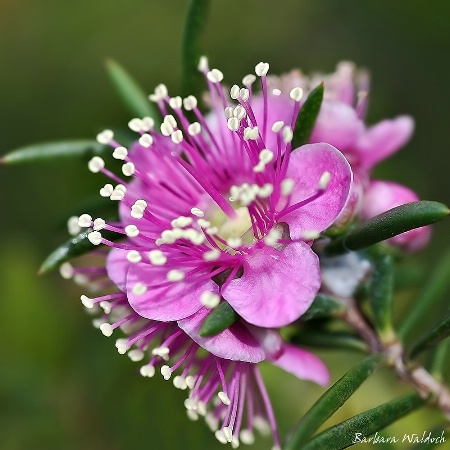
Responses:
[62,384]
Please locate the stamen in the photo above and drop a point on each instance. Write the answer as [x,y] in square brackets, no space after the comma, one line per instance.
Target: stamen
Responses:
[96,164]
[120,153]
[209,299]
[105,137]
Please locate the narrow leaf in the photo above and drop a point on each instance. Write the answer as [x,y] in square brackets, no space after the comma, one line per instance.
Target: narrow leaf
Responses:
[219,319]
[191,48]
[435,288]
[332,400]
[381,295]
[73,247]
[307,117]
[363,425]
[130,92]
[330,339]
[53,150]
[325,306]
[436,335]
[388,224]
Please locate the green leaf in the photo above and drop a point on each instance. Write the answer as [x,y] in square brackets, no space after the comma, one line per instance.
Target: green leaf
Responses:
[381,295]
[332,400]
[130,92]
[367,423]
[307,117]
[388,224]
[330,339]
[432,338]
[191,49]
[428,299]
[219,319]
[325,306]
[54,150]
[76,246]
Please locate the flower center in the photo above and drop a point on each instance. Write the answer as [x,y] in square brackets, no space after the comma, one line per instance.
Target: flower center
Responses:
[229,228]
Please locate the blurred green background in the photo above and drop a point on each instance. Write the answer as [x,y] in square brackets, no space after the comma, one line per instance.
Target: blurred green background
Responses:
[62,384]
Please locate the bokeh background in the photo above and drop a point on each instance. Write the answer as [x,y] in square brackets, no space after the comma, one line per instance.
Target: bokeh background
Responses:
[62,384]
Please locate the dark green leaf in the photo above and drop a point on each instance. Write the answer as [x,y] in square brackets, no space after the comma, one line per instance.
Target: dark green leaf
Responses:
[191,49]
[307,117]
[325,306]
[54,150]
[132,95]
[330,339]
[365,424]
[381,295]
[73,247]
[390,223]
[436,335]
[219,319]
[332,400]
[434,289]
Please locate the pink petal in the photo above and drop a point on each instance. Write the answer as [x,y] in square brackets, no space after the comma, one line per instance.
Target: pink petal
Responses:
[236,343]
[175,301]
[306,166]
[277,287]
[338,125]
[383,139]
[303,364]
[117,267]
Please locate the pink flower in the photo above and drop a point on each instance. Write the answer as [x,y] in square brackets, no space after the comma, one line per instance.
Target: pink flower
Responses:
[383,195]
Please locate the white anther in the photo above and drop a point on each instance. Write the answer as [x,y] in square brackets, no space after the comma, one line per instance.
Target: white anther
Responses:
[287,134]
[224,398]
[66,270]
[80,279]
[177,137]
[137,212]
[168,237]
[139,289]
[277,126]
[146,140]
[310,235]
[266,155]
[166,372]
[265,190]
[163,352]
[203,223]
[209,299]
[190,381]
[201,408]
[324,180]
[261,69]
[272,237]
[212,230]
[170,120]
[190,103]
[215,76]
[251,133]
[99,224]
[234,92]
[132,230]
[87,302]
[141,202]
[192,415]
[248,80]
[72,225]
[84,221]
[244,93]
[212,422]
[203,64]
[212,255]
[106,190]
[147,371]
[296,94]
[95,238]
[147,123]
[261,425]
[181,221]
[234,242]
[122,188]
[227,433]
[197,212]
[105,137]
[106,329]
[135,125]
[166,129]
[118,194]
[229,112]
[276,92]
[96,164]
[247,437]
[136,355]
[235,442]
[239,112]
[120,153]
[106,306]
[180,382]
[233,124]
[159,94]
[194,129]
[287,185]
[190,404]
[176,102]
[128,169]
[157,257]
[122,346]
[259,167]
[175,275]
[220,437]
[134,256]
[197,238]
